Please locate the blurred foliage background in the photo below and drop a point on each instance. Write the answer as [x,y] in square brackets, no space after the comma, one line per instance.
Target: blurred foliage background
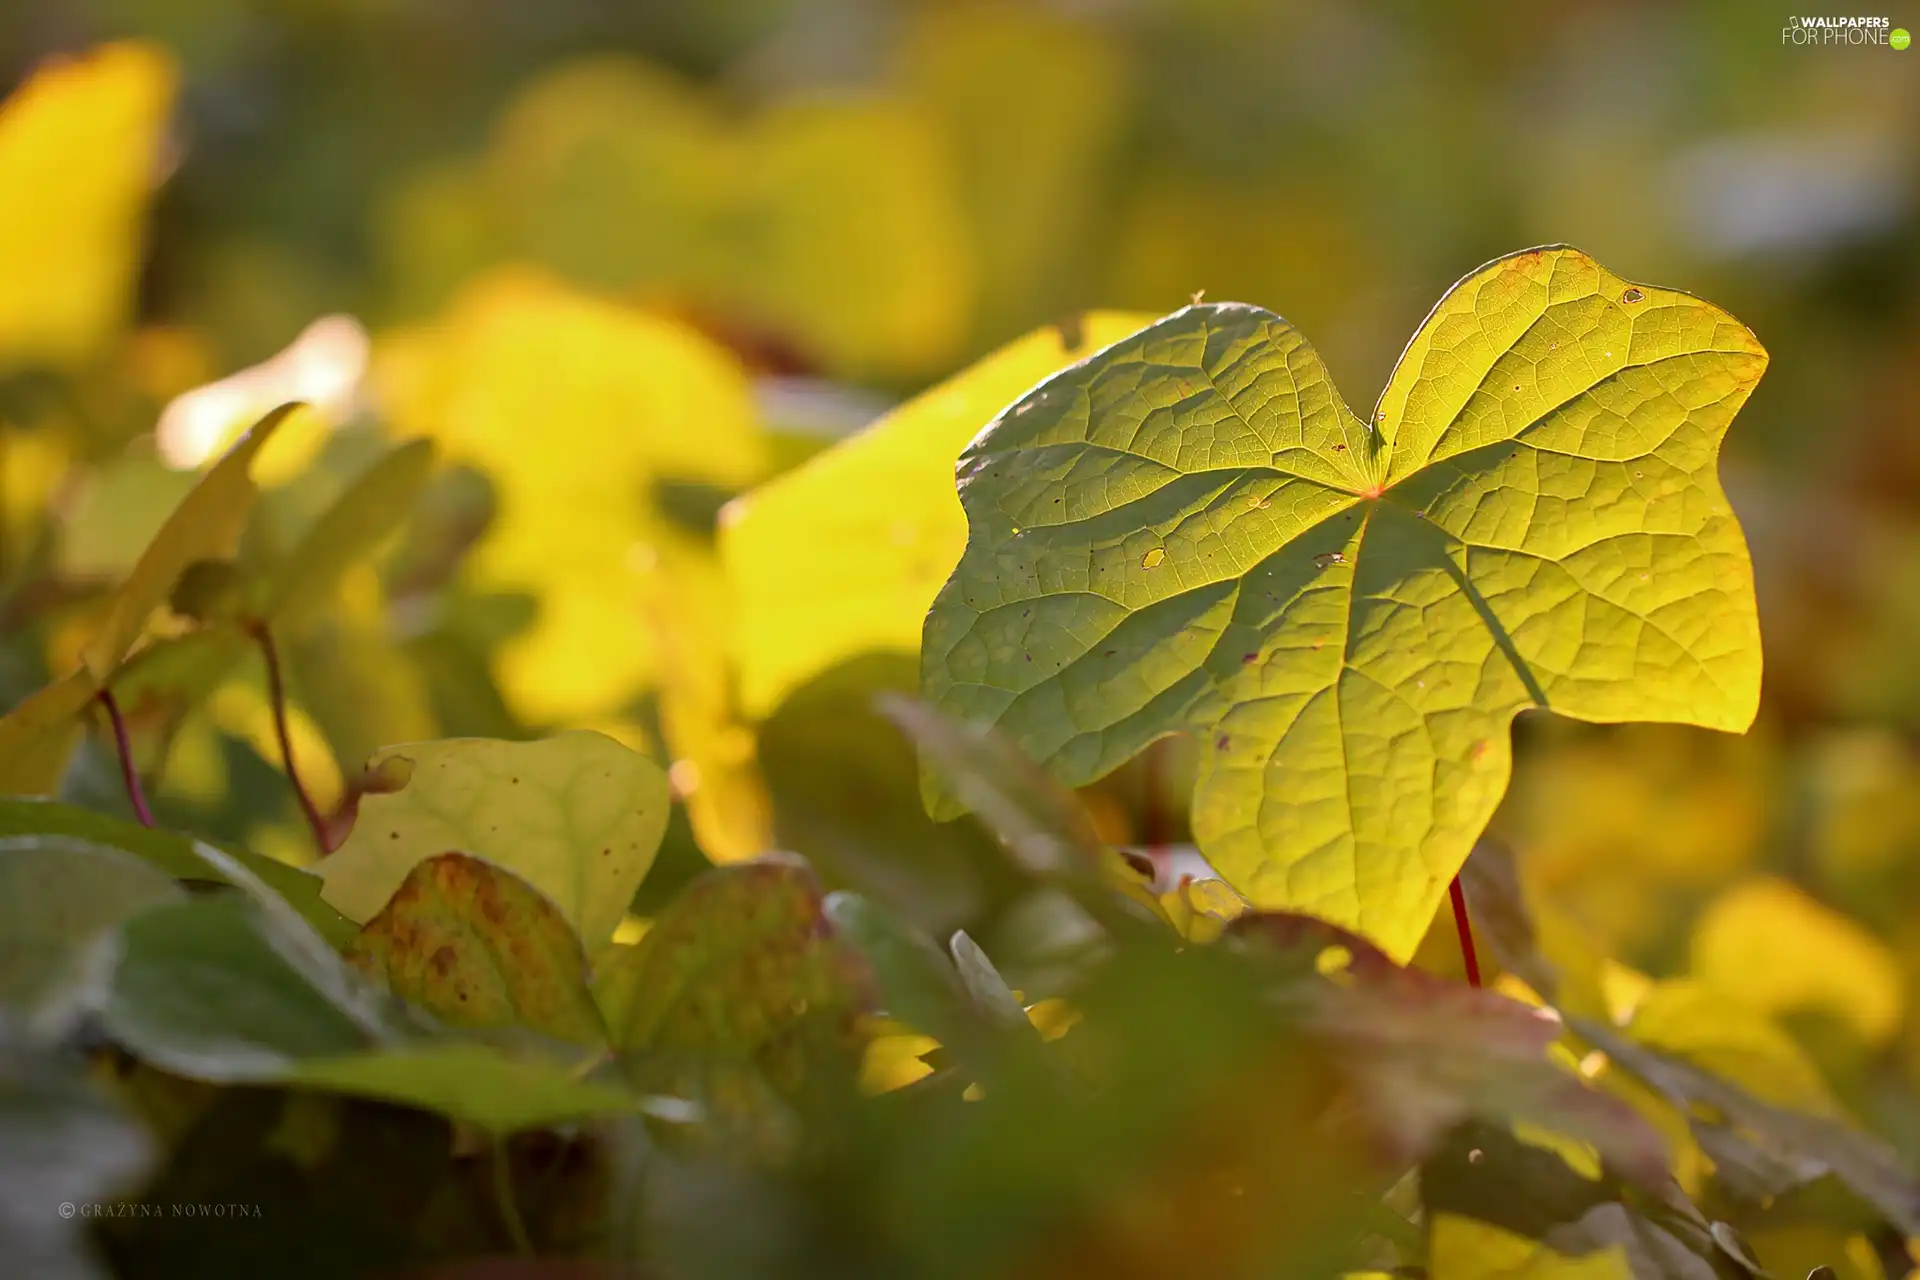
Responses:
[519,229]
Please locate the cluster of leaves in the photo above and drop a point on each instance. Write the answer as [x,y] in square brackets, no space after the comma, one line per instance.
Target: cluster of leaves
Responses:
[480,1019]
[450,1039]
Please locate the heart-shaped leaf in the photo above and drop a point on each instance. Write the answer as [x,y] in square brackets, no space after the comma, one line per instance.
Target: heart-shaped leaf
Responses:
[1191,532]
[478,947]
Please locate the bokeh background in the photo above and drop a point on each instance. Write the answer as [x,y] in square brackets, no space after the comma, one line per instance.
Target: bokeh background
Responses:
[849,200]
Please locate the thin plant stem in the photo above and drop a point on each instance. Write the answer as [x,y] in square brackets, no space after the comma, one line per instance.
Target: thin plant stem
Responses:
[503,1196]
[1465,927]
[124,746]
[277,693]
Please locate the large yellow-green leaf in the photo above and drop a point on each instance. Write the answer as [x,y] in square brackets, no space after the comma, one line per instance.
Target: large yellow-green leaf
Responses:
[842,555]
[478,947]
[574,407]
[1192,532]
[80,156]
[579,817]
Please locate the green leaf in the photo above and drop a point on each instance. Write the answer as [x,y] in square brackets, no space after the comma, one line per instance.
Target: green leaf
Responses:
[176,855]
[845,797]
[1190,532]
[469,1082]
[58,896]
[369,510]
[205,526]
[200,991]
[821,578]
[741,969]
[60,1143]
[917,985]
[478,947]
[578,816]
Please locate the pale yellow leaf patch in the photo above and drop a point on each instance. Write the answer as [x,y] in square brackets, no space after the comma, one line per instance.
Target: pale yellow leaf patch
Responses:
[843,555]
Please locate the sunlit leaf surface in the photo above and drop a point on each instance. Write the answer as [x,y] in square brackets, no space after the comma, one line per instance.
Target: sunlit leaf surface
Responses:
[1192,532]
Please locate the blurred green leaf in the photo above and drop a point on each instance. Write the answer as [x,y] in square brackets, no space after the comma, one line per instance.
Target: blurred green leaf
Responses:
[174,854]
[367,512]
[199,990]
[470,1082]
[740,975]
[58,895]
[61,1144]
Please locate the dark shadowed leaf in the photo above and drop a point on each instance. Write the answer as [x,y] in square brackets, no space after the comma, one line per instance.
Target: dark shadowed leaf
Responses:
[60,1143]
[742,971]
[472,1082]
[478,947]
[1428,1053]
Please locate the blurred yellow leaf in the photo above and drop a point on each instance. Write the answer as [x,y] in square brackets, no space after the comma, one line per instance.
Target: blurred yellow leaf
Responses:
[843,555]
[1030,164]
[715,768]
[1464,1249]
[1768,945]
[80,154]
[38,736]
[830,223]
[895,1058]
[574,407]
[1606,817]
[1701,1024]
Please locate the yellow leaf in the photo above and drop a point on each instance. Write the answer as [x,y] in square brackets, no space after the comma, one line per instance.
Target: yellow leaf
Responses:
[1699,1023]
[842,555]
[1031,165]
[205,526]
[1770,946]
[38,736]
[579,817]
[1464,1249]
[830,223]
[715,768]
[80,154]
[574,407]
